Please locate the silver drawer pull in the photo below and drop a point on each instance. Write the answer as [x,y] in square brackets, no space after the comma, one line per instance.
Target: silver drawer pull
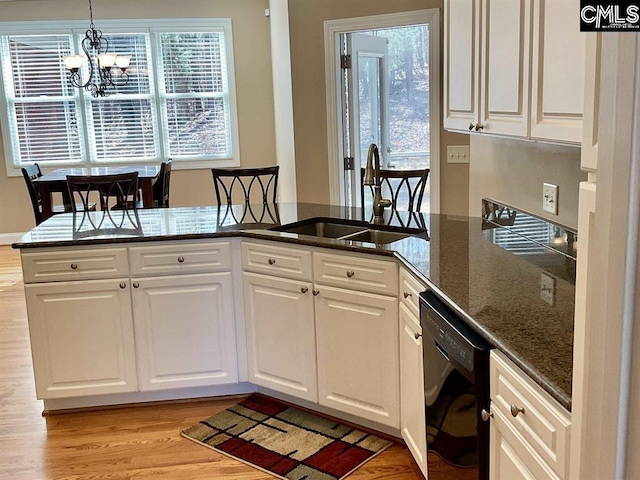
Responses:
[407,294]
[136,285]
[350,273]
[123,285]
[180,259]
[316,292]
[417,335]
[485,415]
[74,266]
[515,411]
[304,289]
[272,261]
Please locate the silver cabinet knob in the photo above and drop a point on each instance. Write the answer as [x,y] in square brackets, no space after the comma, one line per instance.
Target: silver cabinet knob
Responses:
[304,289]
[478,127]
[180,259]
[407,294]
[123,285]
[74,266]
[515,411]
[485,415]
[417,335]
[316,292]
[272,261]
[350,273]
[136,285]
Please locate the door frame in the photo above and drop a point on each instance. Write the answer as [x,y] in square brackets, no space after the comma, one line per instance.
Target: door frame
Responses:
[335,127]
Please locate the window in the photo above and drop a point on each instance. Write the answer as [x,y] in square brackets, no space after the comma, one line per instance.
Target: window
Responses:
[179,101]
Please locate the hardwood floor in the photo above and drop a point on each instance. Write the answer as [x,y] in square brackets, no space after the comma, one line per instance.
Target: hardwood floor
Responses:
[138,442]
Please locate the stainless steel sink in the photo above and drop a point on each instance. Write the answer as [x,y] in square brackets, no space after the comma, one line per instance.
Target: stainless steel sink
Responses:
[322,229]
[376,236]
[357,232]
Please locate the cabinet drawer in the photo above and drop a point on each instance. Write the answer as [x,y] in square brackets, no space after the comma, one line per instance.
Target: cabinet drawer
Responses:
[179,259]
[410,289]
[290,262]
[545,426]
[67,265]
[356,273]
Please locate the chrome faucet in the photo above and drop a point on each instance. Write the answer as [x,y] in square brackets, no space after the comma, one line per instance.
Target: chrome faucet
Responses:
[372,177]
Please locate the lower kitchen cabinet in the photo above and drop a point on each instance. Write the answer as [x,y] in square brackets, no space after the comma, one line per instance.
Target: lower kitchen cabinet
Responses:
[281,335]
[412,404]
[357,341]
[82,339]
[530,432]
[185,331]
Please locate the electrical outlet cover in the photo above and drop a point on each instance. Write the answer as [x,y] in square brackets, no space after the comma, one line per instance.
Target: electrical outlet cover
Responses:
[550,198]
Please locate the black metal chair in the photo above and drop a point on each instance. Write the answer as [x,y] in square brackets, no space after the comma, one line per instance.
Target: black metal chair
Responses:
[405,187]
[30,173]
[251,185]
[161,187]
[111,190]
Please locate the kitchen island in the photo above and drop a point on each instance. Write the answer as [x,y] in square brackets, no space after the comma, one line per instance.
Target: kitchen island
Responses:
[497,292]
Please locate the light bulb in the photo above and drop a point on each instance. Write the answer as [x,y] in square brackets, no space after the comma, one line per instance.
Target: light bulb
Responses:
[123,61]
[73,62]
[106,60]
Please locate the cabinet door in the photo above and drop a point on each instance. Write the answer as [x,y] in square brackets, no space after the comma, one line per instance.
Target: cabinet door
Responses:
[558,71]
[589,151]
[358,364]
[505,56]
[510,457]
[281,339]
[462,63]
[81,338]
[412,404]
[185,334]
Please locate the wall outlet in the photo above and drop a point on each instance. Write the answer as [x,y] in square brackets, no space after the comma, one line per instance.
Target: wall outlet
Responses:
[458,154]
[548,288]
[550,198]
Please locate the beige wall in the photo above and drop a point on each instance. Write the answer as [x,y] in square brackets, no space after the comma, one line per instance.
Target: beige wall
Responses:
[252,51]
[513,171]
[307,19]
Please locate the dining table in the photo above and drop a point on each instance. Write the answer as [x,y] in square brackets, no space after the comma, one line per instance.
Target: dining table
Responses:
[56,181]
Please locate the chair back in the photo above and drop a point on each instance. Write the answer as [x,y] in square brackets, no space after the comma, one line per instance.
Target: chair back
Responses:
[405,187]
[161,187]
[30,173]
[122,187]
[246,185]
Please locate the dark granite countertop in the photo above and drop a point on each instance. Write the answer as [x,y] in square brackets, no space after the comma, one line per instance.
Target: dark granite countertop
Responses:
[520,301]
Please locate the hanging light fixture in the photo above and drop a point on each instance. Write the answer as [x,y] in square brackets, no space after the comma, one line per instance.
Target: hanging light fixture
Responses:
[101,63]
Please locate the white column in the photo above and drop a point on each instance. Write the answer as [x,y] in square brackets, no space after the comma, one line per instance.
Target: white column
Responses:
[282,99]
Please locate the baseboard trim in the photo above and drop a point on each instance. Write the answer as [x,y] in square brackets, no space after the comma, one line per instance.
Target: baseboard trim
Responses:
[9,238]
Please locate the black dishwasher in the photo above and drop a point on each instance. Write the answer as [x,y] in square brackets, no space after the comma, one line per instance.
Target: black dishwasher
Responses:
[456,384]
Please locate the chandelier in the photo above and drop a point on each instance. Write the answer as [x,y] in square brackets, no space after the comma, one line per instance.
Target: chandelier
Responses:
[103,77]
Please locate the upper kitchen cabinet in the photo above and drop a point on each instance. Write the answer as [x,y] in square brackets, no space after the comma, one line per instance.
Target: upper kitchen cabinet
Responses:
[504,73]
[558,71]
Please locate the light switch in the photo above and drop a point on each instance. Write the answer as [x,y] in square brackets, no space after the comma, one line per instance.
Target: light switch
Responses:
[458,154]
[550,198]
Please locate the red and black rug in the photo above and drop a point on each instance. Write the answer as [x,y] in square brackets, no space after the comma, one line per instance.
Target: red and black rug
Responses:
[285,441]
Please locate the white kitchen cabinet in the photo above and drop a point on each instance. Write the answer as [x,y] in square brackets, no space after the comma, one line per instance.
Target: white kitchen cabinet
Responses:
[412,402]
[281,334]
[504,73]
[82,339]
[558,72]
[461,64]
[504,85]
[589,151]
[185,330]
[358,363]
[530,432]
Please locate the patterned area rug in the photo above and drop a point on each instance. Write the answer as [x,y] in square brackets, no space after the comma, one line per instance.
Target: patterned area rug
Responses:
[286,442]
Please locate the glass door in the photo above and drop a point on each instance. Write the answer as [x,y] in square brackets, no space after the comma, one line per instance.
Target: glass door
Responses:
[365,105]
